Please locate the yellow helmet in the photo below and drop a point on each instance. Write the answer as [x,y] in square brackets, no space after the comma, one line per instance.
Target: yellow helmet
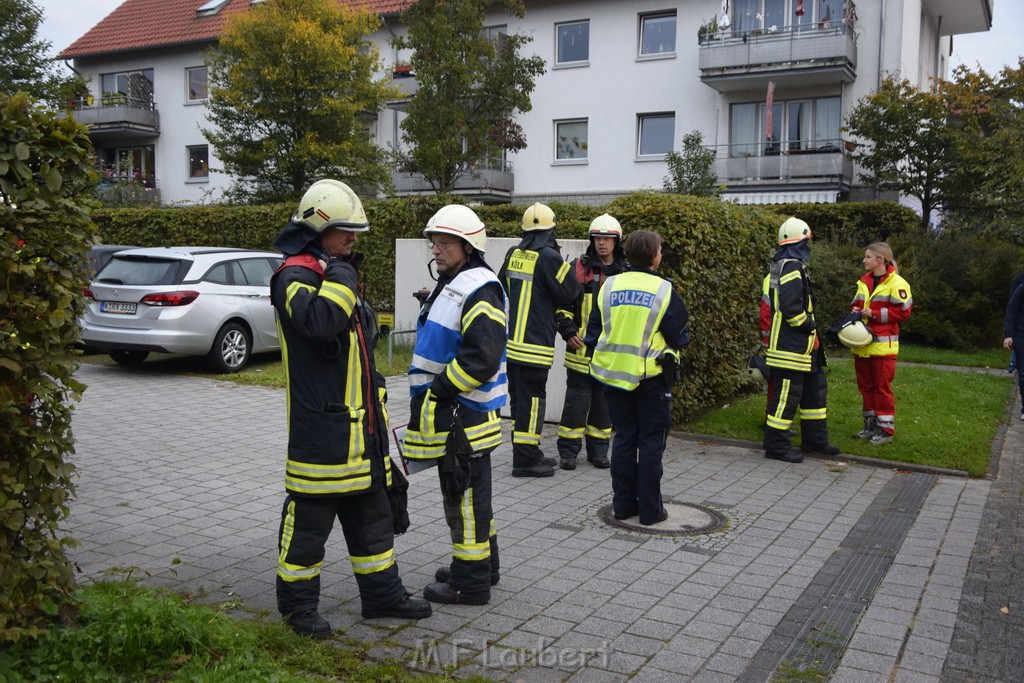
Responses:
[461,221]
[331,204]
[605,226]
[793,230]
[538,217]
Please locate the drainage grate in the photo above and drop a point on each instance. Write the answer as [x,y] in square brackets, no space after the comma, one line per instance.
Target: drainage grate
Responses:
[684,519]
[826,633]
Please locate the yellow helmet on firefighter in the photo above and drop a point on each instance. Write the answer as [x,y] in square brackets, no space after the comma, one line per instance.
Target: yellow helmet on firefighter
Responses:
[793,230]
[605,226]
[331,204]
[538,217]
[854,334]
[461,221]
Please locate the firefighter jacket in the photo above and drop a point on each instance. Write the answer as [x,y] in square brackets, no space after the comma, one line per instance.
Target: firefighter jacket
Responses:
[538,282]
[337,427]
[638,320]
[459,363]
[572,320]
[792,333]
[889,302]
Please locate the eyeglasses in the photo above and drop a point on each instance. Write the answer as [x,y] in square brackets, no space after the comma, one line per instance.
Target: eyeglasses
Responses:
[443,246]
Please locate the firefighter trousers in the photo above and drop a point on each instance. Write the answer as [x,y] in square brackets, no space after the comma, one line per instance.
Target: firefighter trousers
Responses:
[526,390]
[788,392]
[306,523]
[473,532]
[641,418]
[874,380]
[584,416]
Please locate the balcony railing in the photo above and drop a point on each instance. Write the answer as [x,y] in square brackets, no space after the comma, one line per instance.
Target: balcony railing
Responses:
[801,55]
[493,180]
[118,116]
[788,163]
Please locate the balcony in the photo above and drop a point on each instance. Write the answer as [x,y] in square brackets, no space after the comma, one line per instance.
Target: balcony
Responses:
[798,56]
[118,118]
[492,182]
[789,167]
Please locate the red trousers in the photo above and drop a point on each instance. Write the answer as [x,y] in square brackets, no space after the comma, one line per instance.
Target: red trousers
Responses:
[874,379]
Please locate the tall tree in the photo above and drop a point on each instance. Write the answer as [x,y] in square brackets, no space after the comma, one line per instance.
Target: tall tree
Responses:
[906,143]
[692,171]
[472,83]
[292,90]
[24,62]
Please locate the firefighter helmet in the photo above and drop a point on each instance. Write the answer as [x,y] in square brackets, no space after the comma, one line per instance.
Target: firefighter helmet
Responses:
[757,367]
[331,204]
[605,226]
[461,221]
[793,230]
[538,217]
[854,334]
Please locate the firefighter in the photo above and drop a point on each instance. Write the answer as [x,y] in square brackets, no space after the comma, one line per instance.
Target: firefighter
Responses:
[337,464]
[585,412]
[458,366]
[636,330]
[883,299]
[538,282]
[794,353]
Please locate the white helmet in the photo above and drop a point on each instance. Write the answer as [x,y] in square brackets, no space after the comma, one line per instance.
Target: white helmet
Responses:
[793,230]
[461,221]
[855,334]
[538,217]
[605,226]
[331,204]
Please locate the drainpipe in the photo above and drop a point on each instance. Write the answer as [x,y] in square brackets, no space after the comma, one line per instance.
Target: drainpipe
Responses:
[938,48]
[881,42]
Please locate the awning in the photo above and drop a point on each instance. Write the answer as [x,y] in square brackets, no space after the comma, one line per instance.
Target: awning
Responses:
[786,197]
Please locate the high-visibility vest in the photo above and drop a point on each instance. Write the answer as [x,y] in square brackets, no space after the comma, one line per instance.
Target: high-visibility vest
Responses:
[632,306]
[891,302]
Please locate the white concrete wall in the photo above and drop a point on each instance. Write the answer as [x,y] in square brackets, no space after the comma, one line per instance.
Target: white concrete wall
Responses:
[411,258]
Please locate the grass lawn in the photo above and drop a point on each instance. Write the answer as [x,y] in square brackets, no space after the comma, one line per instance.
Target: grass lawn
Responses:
[997,358]
[943,418]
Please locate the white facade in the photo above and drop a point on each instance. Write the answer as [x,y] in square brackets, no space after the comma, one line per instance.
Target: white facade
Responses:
[599,124]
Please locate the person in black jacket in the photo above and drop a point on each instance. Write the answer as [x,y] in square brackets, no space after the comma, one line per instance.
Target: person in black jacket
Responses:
[338,464]
[1018,280]
[538,281]
[1013,330]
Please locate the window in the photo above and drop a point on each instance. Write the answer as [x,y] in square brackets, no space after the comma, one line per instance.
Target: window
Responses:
[196,84]
[571,140]
[573,42]
[656,133]
[658,34]
[130,88]
[797,126]
[129,164]
[257,271]
[199,161]
[775,15]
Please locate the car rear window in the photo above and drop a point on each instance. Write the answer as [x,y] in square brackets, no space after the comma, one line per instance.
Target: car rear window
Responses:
[124,270]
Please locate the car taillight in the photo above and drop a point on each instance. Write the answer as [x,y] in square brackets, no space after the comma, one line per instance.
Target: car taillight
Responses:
[171,298]
[87,293]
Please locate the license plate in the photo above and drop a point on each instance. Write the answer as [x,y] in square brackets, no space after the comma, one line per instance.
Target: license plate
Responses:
[122,307]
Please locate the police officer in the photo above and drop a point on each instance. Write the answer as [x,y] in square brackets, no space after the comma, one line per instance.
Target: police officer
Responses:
[537,281]
[636,329]
[585,412]
[793,352]
[458,365]
[337,433]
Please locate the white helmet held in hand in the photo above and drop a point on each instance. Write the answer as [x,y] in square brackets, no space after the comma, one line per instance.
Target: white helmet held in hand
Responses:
[854,335]
[331,204]
[538,217]
[605,226]
[461,221]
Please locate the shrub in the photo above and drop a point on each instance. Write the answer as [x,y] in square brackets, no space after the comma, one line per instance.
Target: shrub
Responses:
[45,176]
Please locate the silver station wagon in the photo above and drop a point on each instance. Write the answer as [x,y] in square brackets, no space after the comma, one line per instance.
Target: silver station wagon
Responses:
[199,301]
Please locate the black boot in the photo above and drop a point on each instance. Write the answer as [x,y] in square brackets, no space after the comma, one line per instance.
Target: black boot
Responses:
[444,573]
[538,470]
[784,457]
[826,449]
[308,623]
[406,608]
[445,594]
[599,461]
[567,463]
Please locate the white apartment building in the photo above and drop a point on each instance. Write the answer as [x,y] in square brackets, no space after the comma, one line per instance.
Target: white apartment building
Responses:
[767,82]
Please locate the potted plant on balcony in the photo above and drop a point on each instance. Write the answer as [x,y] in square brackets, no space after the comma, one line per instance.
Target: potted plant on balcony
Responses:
[403,69]
[708,30]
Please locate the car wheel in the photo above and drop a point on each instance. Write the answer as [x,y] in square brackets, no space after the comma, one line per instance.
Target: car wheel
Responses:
[231,349]
[128,357]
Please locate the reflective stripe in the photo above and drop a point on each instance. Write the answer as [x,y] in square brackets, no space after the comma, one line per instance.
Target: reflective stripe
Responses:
[344,486]
[563,270]
[459,378]
[813,414]
[291,291]
[624,299]
[891,339]
[775,420]
[595,433]
[318,471]
[368,564]
[468,518]
[525,297]
[884,315]
[471,552]
[339,294]
[525,277]
[525,438]
[430,366]
[570,432]
[292,572]
[483,308]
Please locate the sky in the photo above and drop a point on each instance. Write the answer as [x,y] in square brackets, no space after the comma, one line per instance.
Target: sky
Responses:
[67,20]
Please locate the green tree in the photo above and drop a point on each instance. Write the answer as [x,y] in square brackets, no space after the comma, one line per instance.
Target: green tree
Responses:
[906,143]
[472,82]
[692,171]
[46,174]
[292,91]
[24,64]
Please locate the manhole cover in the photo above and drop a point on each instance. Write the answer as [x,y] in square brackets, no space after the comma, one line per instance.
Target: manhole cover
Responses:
[684,519]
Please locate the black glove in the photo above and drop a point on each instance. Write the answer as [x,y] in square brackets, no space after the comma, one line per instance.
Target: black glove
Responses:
[455,465]
[398,499]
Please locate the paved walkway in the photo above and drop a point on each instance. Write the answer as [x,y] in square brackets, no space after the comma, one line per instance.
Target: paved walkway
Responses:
[824,568]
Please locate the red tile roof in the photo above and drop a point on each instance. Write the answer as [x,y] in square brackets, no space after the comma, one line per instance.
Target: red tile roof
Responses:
[143,24]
